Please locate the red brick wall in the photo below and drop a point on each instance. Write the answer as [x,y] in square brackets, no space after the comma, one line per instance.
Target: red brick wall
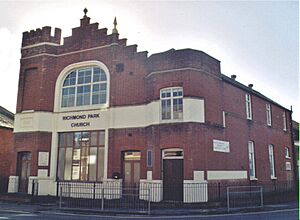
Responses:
[30,142]
[239,131]
[6,143]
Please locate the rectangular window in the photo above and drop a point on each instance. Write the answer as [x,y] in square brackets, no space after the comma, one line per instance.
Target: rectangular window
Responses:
[149,158]
[251,160]
[287,153]
[269,114]
[248,107]
[171,103]
[82,157]
[271,161]
[288,166]
[284,121]
[224,119]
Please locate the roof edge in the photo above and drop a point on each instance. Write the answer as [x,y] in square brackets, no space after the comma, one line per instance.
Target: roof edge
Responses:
[250,90]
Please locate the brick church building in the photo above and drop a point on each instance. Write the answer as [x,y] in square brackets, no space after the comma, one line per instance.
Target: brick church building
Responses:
[93,109]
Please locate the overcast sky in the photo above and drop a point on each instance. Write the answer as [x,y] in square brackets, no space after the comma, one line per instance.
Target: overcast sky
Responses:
[257,41]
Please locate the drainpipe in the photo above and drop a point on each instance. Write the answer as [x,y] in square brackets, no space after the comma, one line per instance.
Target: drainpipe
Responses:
[294,158]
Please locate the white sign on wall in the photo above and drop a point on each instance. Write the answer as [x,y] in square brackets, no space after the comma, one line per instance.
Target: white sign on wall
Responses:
[221,146]
[42,172]
[43,160]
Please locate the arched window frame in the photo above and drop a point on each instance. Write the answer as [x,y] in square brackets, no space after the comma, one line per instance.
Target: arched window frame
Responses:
[63,75]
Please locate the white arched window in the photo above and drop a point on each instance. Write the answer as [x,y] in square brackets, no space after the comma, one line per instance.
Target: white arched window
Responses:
[84,86]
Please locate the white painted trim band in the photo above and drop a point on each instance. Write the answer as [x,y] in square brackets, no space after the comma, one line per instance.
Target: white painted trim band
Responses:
[69,53]
[40,44]
[117,117]
[182,69]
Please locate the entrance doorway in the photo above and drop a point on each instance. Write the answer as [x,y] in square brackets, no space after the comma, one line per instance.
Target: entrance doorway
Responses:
[173,175]
[131,168]
[24,159]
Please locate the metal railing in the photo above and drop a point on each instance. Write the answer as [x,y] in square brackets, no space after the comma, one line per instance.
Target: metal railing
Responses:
[239,197]
[113,197]
[273,192]
[104,197]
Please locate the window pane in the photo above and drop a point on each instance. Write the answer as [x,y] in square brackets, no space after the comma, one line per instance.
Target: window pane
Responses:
[102,98]
[166,93]
[284,121]
[80,77]
[166,109]
[100,160]
[85,139]
[79,89]
[93,164]
[77,139]
[268,112]
[99,75]
[71,79]
[101,138]
[83,95]
[271,160]
[177,108]
[287,154]
[86,99]
[76,164]
[96,98]
[65,91]
[96,87]
[64,102]
[68,164]
[84,164]
[103,76]
[69,139]
[177,92]
[99,94]
[61,164]
[251,159]
[75,172]
[68,97]
[96,75]
[94,136]
[84,76]
[61,140]
[149,158]
[79,100]
[71,90]
[248,107]
[76,156]
[103,87]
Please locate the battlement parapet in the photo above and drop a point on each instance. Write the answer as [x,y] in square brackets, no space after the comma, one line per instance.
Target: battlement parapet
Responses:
[40,36]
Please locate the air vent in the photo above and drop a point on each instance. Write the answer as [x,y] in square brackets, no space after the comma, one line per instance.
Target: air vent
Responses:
[119,67]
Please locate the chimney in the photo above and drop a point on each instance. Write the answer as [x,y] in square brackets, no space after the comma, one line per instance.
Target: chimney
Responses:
[250,86]
[233,77]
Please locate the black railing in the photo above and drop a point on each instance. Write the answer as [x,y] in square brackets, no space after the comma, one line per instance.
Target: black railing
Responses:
[103,196]
[148,195]
[273,192]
